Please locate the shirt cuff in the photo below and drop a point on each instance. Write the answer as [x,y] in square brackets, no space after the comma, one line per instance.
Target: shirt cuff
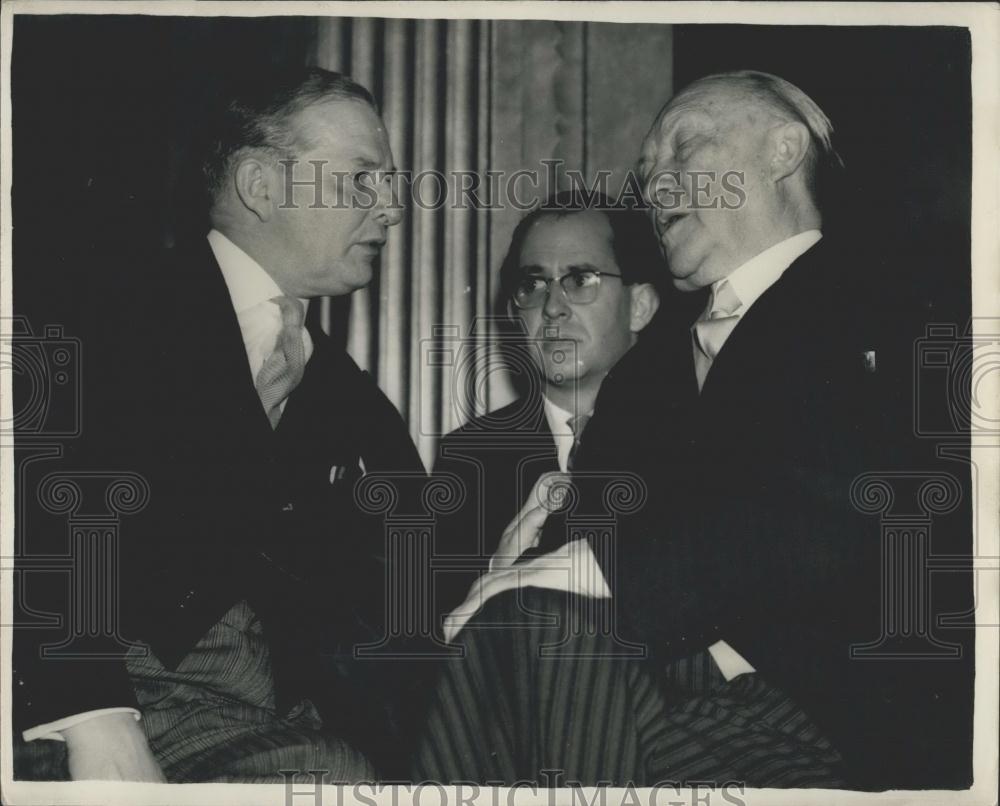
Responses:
[730,662]
[586,570]
[51,730]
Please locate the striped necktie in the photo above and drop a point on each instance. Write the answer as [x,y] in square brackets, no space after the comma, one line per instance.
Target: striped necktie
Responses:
[284,367]
[710,332]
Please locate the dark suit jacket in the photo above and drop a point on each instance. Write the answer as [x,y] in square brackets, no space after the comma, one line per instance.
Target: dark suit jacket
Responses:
[236,510]
[750,534]
[498,457]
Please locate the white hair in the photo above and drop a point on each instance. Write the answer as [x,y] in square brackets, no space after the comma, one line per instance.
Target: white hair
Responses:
[788,103]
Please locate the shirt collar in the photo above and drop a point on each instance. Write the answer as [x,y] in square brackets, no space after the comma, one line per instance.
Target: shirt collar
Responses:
[758,274]
[248,283]
[557,417]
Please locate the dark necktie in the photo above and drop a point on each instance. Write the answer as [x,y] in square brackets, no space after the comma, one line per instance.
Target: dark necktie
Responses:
[576,425]
[284,367]
[554,531]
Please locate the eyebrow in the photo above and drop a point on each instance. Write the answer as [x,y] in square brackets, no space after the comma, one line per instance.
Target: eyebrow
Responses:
[690,121]
[538,270]
[369,164]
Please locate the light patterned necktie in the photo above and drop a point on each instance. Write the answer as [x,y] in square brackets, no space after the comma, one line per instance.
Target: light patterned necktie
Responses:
[284,367]
[710,333]
[576,425]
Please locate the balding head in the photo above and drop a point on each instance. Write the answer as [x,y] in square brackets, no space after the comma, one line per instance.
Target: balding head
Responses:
[784,102]
[732,166]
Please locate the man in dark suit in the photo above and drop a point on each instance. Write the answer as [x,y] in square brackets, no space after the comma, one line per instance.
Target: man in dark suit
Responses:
[578,283]
[781,385]
[251,574]
[751,568]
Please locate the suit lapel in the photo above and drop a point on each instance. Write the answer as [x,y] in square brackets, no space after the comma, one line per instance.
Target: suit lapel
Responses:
[324,422]
[543,428]
[317,392]
[547,442]
[764,342]
[211,360]
[687,386]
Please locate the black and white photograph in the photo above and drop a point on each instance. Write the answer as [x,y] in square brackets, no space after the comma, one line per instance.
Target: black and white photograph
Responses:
[578,403]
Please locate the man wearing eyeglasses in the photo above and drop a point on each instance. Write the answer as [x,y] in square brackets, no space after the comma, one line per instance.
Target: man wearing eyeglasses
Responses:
[577,282]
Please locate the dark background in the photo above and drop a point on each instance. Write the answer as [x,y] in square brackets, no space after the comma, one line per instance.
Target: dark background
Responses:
[106,111]
[105,121]
[900,102]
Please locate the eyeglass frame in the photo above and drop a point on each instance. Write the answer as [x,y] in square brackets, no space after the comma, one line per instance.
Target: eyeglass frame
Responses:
[599,273]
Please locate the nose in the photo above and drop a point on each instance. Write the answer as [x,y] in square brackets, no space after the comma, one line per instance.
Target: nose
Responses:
[556,305]
[390,211]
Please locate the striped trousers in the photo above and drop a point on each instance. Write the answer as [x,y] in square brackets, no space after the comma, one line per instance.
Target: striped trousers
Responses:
[544,694]
[213,718]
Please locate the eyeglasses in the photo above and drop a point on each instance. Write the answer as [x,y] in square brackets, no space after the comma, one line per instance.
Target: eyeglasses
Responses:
[580,287]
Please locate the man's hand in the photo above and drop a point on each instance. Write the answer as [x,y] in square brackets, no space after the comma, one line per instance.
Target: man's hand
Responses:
[525,530]
[110,748]
[572,568]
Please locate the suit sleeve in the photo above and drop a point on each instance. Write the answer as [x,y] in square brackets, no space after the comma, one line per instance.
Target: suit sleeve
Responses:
[63,662]
[387,444]
[459,535]
[755,552]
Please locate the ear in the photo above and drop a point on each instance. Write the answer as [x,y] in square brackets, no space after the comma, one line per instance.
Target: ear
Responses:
[254,182]
[789,146]
[644,303]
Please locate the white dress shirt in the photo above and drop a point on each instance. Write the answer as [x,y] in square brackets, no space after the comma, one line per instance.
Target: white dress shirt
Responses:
[749,282]
[251,290]
[573,567]
[558,419]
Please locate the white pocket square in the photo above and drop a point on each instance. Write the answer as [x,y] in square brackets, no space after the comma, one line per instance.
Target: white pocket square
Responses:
[869,359]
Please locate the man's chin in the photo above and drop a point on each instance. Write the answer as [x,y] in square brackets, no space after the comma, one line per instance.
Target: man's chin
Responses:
[560,375]
[681,274]
[685,284]
[690,280]
[342,284]
[360,273]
